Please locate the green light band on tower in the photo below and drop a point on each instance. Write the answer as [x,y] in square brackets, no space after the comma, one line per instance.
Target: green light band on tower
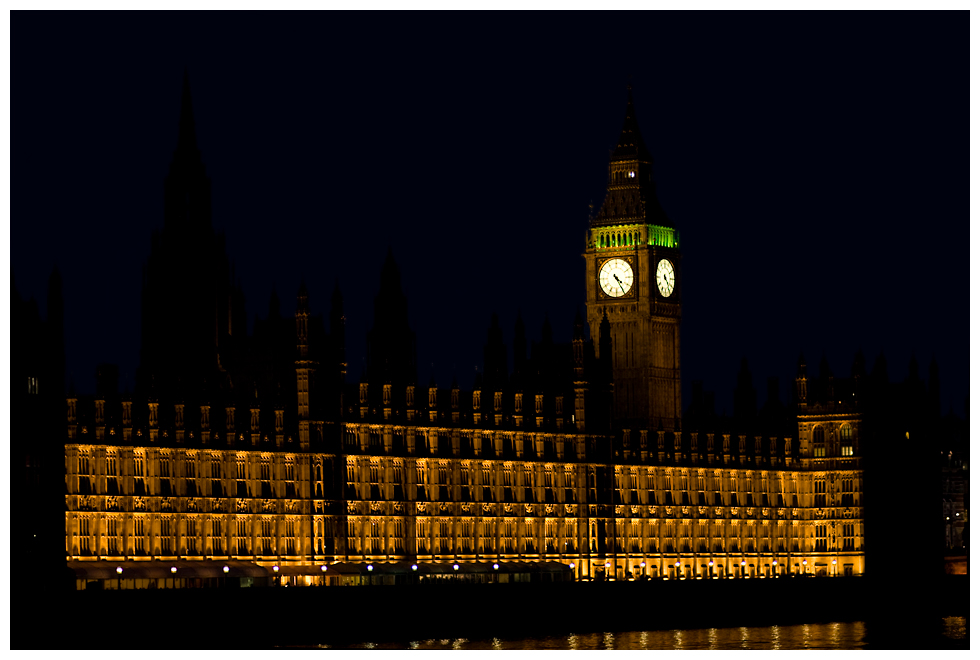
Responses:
[662,236]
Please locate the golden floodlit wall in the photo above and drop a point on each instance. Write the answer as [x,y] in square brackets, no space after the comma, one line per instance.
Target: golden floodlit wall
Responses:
[731,514]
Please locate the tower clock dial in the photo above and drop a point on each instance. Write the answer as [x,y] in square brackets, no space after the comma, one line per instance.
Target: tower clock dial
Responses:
[665,278]
[616,278]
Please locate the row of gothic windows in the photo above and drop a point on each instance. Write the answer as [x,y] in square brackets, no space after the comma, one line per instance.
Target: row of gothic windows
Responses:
[846,441]
[845,434]
[618,239]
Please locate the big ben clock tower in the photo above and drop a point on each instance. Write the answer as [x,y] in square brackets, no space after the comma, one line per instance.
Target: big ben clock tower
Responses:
[633,277]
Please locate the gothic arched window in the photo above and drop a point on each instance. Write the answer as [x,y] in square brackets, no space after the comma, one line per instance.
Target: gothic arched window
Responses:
[846,441]
[818,447]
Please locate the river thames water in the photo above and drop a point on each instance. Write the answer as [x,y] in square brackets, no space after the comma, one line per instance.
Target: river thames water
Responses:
[849,635]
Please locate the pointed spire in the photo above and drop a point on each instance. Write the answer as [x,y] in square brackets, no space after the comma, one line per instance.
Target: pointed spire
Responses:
[824,367]
[858,367]
[495,355]
[186,135]
[391,341]
[187,189]
[390,305]
[631,193]
[631,145]
[390,276]
[801,385]
[302,297]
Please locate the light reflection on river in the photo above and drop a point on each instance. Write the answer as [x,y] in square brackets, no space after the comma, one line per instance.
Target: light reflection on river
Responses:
[849,635]
[806,636]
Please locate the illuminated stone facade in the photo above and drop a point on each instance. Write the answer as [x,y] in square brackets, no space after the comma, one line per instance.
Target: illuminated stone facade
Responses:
[443,493]
[829,432]
[576,456]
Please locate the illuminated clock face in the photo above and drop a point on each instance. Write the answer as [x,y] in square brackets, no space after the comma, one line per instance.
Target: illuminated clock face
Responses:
[665,278]
[616,278]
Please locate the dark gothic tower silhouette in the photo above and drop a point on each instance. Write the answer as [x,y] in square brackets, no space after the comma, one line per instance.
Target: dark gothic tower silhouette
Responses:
[37,446]
[633,277]
[391,343]
[189,315]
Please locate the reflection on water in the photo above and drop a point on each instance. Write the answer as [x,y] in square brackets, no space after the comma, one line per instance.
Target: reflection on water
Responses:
[954,627]
[812,636]
[837,635]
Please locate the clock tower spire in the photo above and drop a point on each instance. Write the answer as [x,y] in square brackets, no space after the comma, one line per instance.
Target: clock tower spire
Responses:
[633,277]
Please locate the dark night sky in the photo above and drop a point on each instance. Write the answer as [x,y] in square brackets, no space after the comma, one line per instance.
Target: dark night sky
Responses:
[816,165]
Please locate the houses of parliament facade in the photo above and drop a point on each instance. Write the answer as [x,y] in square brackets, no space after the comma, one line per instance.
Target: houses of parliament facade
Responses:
[255,450]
